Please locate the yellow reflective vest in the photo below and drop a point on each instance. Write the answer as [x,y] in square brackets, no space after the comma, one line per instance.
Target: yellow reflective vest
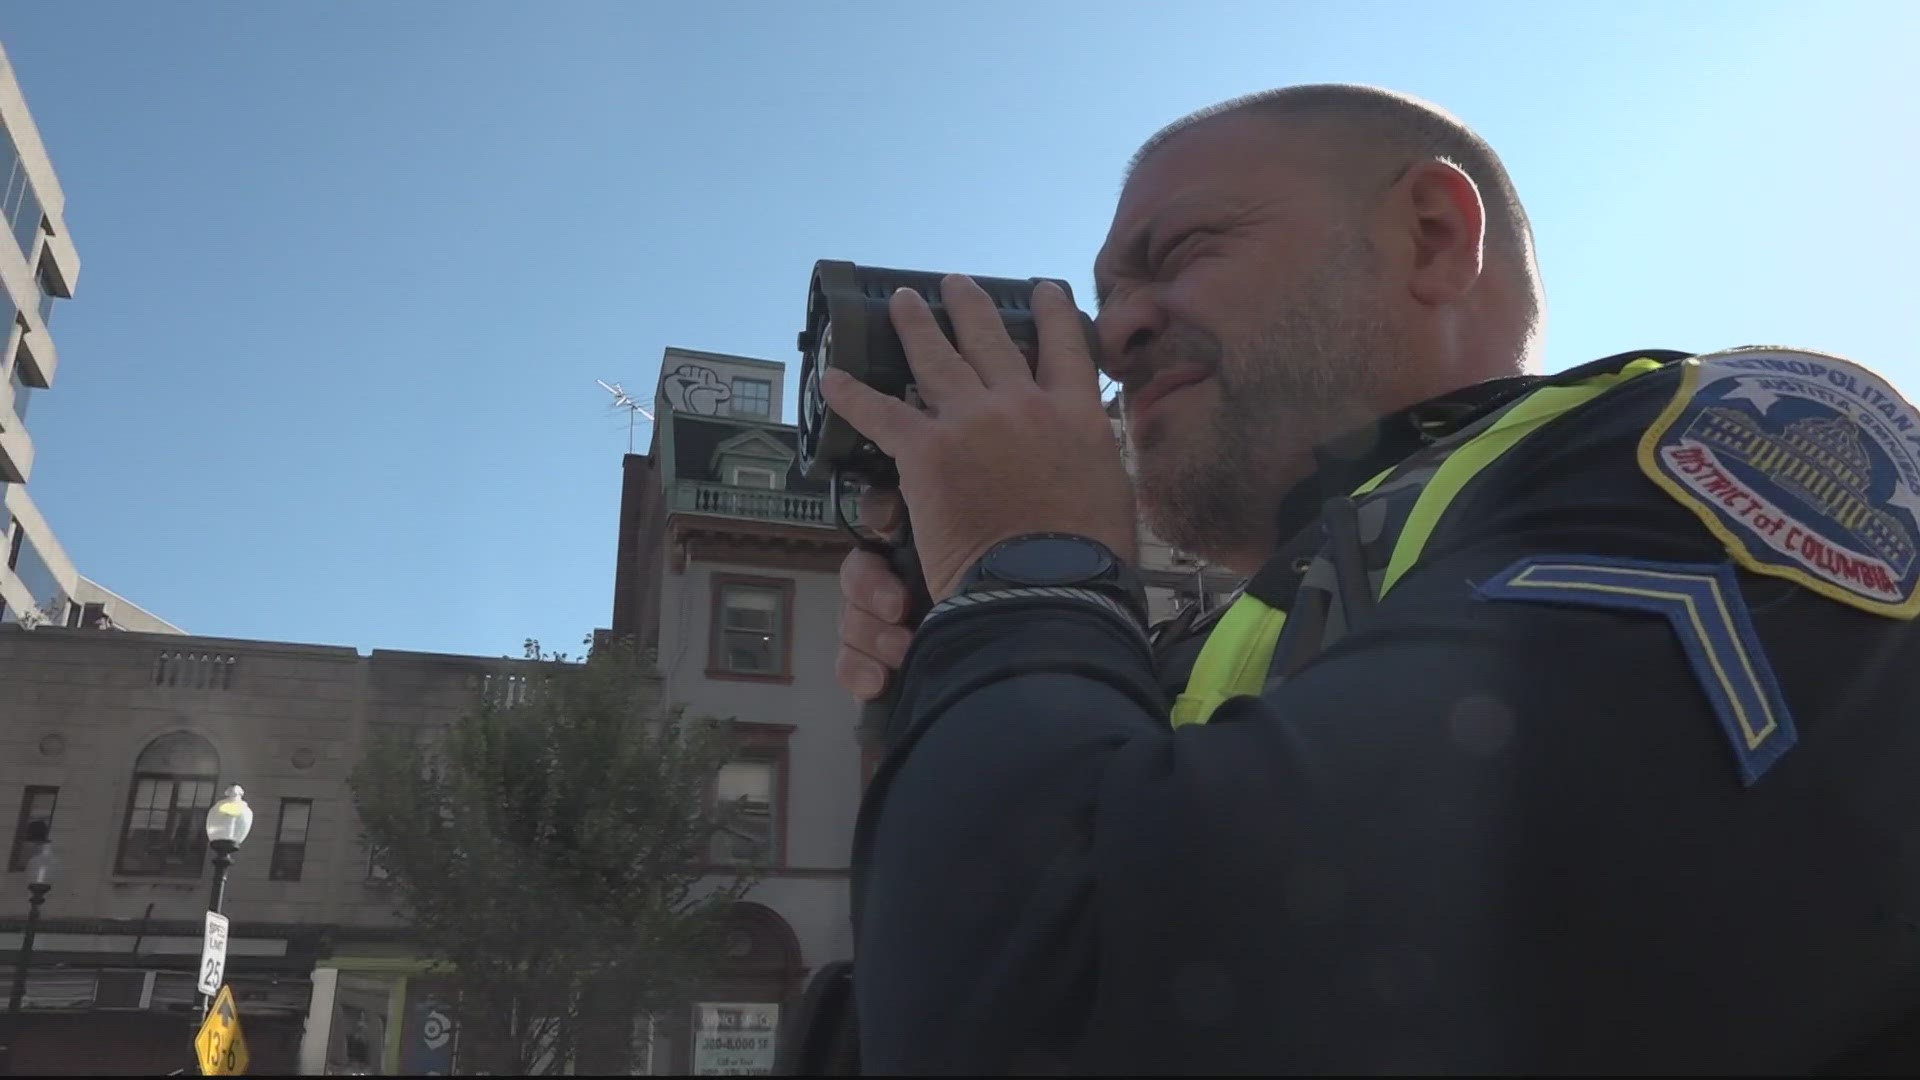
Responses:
[1372,539]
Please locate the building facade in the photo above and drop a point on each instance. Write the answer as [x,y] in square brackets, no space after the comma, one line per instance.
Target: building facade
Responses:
[120,742]
[726,570]
[39,267]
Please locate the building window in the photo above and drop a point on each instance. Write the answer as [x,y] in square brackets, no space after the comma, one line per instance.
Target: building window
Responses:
[22,393]
[48,291]
[123,990]
[744,799]
[290,840]
[750,799]
[173,786]
[752,397]
[377,872]
[748,476]
[49,601]
[20,204]
[752,628]
[36,823]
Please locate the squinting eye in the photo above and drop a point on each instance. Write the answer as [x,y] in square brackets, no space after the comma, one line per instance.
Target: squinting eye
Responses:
[1179,246]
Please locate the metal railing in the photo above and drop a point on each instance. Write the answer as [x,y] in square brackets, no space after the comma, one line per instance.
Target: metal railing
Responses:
[760,504]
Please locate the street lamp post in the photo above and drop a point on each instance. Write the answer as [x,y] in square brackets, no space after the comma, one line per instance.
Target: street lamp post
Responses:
[228,823]
[39,884]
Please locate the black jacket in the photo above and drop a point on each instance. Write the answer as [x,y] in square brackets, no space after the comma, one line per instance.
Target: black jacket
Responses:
[1473,836]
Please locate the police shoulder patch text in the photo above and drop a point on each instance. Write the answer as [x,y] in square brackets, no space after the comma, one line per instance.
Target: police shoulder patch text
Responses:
[1806,466]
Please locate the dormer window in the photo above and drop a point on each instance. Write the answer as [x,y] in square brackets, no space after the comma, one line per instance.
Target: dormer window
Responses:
[750,476]
[754,459]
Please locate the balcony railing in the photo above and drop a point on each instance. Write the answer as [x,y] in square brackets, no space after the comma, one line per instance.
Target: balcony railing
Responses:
[759,504]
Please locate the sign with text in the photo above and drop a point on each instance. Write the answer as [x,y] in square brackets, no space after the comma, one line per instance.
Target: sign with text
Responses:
[220,1046]
[213,955]
[734,1039]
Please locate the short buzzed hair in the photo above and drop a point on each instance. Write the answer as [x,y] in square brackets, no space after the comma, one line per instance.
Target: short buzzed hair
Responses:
[1402,129]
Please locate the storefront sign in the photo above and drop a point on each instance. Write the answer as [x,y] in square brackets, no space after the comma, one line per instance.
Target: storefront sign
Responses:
[734,1039]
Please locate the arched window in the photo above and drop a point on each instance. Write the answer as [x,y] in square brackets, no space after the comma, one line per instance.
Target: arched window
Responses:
[174,782]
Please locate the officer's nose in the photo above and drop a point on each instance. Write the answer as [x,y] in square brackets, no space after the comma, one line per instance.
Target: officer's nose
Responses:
[1125,325]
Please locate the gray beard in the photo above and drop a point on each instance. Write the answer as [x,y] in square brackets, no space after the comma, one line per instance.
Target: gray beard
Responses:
[1295,384]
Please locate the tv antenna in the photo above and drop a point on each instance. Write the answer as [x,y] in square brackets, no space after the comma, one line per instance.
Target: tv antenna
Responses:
[624,400]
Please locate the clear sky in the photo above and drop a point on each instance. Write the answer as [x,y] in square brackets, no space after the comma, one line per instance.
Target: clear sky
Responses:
[350,270]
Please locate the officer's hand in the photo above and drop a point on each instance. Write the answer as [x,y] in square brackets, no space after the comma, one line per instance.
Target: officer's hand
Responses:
[873,643]
[997,447]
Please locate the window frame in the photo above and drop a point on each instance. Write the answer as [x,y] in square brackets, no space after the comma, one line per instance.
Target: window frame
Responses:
[766,401]
[21,389]
[768,744]
[773,477]
[17,858]
[196,812]
[275,865]
[717,667]
[378,874]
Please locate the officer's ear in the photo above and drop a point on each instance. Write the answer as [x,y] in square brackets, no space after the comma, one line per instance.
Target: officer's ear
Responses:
[1440,224]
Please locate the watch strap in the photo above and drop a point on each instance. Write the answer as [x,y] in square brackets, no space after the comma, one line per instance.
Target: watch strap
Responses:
[981,596]
[1120,583]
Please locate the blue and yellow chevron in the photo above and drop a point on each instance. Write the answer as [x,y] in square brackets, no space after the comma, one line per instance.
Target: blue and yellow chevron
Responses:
[1703,604]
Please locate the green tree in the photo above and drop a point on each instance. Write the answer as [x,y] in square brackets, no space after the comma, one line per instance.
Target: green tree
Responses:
[550,852]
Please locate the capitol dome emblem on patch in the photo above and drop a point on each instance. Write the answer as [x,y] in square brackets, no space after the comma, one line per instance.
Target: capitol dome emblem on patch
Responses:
[1806,466]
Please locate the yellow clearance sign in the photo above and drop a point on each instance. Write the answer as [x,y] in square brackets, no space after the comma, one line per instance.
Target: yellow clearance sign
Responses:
[221,1047]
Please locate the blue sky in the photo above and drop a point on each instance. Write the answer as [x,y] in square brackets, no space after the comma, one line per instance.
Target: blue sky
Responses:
[351,270]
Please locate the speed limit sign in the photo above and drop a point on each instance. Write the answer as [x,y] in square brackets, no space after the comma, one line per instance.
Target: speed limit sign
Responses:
[213,955]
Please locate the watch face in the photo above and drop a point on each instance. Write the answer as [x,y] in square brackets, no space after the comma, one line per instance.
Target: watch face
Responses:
[1049,561]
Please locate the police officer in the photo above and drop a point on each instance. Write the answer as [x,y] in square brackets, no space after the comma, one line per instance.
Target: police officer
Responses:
[1563,724]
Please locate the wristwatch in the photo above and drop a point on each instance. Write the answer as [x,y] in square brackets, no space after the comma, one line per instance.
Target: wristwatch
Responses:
[1060,564]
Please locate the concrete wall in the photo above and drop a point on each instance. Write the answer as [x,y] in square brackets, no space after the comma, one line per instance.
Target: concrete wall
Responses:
[287,720]
[701,383]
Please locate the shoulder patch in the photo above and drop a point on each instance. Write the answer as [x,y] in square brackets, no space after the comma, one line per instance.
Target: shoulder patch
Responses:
[1805,465]
[1703,604]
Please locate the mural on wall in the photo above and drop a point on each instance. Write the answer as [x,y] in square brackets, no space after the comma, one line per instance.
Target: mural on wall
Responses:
[695,388]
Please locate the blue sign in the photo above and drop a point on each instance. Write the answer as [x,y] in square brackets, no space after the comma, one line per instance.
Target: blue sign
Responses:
[426,1042]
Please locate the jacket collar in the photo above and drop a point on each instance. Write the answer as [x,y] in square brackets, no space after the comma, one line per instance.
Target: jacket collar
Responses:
[1344,463]
[1347,461]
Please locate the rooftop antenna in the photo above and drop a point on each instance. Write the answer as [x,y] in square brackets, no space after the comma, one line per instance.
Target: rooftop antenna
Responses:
[624,400]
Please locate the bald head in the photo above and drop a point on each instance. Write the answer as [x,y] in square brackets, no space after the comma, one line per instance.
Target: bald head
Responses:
[1376,136]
